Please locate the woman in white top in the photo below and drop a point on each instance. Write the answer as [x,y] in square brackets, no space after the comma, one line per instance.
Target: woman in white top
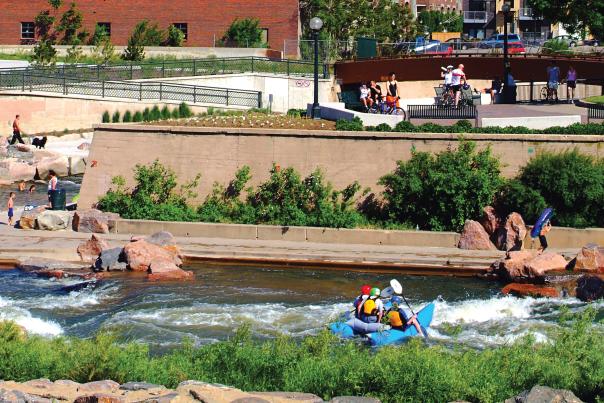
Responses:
[365,98]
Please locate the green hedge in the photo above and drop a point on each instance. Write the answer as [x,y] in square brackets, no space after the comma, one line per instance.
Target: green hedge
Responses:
[149,114]
[326,366]
[464,126]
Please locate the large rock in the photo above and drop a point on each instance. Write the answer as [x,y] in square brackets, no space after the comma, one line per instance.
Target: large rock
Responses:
[590,288]
[530,290]
[543,394]
[590,259]
[528,264]
[54,220]
[59,164]
[28,218]
[489,220]
[166,270]
[543,263]
[99,398]
[111,260]
[77,165]
[93,221]
[90,250]
[474,237]
[140,254]
[18,170]
[511,235]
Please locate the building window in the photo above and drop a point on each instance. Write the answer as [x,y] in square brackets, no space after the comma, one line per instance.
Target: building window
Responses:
[264,35]
[106,26]
[28,30]
[183,26]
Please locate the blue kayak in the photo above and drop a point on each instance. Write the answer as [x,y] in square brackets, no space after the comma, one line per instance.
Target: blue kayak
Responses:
[376,333]
[545,216]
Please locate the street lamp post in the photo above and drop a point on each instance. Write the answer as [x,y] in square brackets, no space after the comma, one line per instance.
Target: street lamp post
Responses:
[315,25]
[506,62]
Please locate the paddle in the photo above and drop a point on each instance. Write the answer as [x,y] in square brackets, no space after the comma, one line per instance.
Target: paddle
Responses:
[398,289]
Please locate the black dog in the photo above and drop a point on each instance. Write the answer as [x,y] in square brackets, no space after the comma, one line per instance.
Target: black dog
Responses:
[39,142]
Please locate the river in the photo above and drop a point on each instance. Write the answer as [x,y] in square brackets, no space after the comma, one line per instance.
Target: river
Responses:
[273,301]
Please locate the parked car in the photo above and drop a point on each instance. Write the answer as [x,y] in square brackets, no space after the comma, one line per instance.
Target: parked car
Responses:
[514,48]
[590,42]
[460,44]
[498,38]
[570,40]
[428,45]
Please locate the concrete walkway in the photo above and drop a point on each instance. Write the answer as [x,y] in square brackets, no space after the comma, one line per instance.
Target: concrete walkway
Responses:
[17,244]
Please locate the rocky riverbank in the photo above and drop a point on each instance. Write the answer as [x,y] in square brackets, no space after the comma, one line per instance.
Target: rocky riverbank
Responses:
[107,391]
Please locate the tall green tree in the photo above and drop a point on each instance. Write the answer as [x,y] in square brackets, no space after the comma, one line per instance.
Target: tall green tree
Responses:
[245,33]
[69,24]
[44,52]
[576,15]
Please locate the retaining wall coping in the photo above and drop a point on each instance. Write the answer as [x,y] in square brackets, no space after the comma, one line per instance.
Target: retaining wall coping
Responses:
[187,130]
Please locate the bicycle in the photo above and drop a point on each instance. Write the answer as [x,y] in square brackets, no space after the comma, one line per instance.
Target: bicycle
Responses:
[549,94]
[387,108]
[447,98]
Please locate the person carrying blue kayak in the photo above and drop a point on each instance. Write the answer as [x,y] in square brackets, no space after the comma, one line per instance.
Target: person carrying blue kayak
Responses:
[399,319]
[542,239]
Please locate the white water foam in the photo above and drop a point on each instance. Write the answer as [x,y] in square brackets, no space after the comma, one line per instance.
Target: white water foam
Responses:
[9,311]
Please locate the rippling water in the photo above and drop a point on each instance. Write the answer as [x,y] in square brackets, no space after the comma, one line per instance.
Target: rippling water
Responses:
[272,301]
[71,185]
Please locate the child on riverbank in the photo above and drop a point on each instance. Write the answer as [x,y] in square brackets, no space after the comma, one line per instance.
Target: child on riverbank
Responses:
[11,205]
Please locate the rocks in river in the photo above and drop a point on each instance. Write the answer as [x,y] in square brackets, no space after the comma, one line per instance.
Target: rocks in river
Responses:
[57,163]
[54,220]
[90,250]
[543,394]
[475,237]
[590,288]
[93,221]
[528,264]
[510,236]
[590,259]
[140,254]
[28,218]
[530,290]
[543,263]
[489,220]
[164,270]
[111,260]
[54,268]
[15,169]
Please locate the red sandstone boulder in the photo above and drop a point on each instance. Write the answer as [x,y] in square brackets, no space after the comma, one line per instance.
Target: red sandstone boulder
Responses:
[530,290]
[474,237]
[90,250]
[590,259]
[489,220]
[511,235]
[165,270]
[93,220]
[28,218]
[512,266]
[590,288]
[543,263]
[140,254]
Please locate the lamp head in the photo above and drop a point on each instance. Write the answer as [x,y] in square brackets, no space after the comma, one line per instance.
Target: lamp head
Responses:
[316,23]
[506,7]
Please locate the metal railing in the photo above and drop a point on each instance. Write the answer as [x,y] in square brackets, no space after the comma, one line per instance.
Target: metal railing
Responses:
[477,16]
[146,90]
[528,14]
[441,112]
[595,112]
[176,68]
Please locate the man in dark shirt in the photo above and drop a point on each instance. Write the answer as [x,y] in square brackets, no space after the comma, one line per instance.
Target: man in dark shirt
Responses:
[376,92]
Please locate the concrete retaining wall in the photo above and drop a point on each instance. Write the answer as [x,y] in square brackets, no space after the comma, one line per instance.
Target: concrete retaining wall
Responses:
[344,157]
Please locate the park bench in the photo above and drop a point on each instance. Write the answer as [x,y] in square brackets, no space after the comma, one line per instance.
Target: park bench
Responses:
[440,112]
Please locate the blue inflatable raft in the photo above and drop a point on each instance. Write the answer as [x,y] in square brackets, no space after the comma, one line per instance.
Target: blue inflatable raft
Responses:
[376,333]
[545,216]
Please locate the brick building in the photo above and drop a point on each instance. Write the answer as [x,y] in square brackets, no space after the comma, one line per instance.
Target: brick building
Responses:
[202,21]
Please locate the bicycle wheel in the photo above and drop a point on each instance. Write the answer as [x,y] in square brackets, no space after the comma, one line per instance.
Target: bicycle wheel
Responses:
[544,94]
[398,111]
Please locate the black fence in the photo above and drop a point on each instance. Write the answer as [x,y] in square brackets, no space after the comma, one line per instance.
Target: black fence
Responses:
[441,112]
[175,68]
[595,112]
[131,90]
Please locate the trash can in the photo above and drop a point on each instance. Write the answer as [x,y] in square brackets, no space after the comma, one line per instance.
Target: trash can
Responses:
[366,48]
[57,199]
[509,94]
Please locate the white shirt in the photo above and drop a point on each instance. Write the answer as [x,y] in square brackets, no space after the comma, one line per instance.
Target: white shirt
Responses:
[379,305]
[52,184]
[448,78]
[457,75]
[364,92]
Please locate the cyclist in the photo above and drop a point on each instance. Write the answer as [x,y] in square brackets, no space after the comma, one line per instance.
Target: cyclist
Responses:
[553,78]
[375,93]
[458,77]
[447,74]
[392,90]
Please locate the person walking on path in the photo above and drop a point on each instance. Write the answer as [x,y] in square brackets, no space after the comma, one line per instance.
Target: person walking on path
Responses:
[571,84]
[553,79]
[542,239]
[16,132]
[11,205]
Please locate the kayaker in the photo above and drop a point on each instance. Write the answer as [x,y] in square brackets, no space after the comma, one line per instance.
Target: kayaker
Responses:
[373,308]
[399,319]
[358,301]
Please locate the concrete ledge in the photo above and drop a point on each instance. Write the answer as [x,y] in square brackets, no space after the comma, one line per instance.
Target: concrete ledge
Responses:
[560,237]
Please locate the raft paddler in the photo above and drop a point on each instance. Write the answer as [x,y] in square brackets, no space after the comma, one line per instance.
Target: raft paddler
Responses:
[372,309]
[399,319]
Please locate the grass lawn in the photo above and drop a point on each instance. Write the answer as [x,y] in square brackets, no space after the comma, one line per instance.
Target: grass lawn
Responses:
[596,100]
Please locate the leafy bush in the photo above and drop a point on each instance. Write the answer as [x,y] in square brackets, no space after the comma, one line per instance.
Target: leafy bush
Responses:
[146,114]
[106,117]
[439,192]
[165,113]
[554,46]
[326,366]
[405,127]
[516,197]
[116,117]
[184,111]
[175,37]
[138,117]
[296,113]
[356,124]
[244,33]
[127,117]
[571,183]
[155,113]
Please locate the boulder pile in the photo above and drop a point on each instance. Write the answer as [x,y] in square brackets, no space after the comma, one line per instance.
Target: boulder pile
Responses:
[48,220]
[494,232]
[157,255]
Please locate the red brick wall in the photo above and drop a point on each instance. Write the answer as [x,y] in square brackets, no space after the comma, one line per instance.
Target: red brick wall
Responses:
[205,18]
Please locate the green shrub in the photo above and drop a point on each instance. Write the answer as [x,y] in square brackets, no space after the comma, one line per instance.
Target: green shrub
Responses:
[184,111]
[244,33]
[138,117]
[405,127]
[106,117]
[571,183]
[146,114]
[155,113]
[439,192]
[296,113]
[116,117]
[175,37]
[127,118]
[356,124]
[554,46]
[165,113]
[175,113]
[383,127]
[462,126]
[515,197]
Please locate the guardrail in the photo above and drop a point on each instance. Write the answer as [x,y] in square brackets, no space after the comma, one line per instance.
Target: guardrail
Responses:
[132,90]
[177,68]
[595,112]
[441,112]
